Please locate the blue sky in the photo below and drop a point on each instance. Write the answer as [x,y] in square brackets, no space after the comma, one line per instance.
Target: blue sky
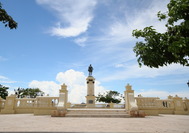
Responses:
[57,40]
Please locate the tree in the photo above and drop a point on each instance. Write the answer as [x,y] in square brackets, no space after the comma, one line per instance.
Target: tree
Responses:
[28,92]
[172,46]
[7,19]
[3,91]
[108,97]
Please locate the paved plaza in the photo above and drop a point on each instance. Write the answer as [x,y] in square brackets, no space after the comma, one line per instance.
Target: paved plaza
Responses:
[46,123]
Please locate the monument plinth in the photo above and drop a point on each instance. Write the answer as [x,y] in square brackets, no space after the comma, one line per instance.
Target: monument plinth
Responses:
[90,98]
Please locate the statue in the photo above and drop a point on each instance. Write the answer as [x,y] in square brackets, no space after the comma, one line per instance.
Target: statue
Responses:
[90,69]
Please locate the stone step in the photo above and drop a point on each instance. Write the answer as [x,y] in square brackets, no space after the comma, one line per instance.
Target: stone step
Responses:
[97,110]
[99,115]
[121,113]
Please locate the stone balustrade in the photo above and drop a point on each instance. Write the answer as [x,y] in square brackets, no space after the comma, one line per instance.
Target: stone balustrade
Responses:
[110,105]
[146,102]
[165,106]
[46,101]
[44,105]
[100,105]
[107,105]
[24,102]
[165,103]
[119,106]
[155,106]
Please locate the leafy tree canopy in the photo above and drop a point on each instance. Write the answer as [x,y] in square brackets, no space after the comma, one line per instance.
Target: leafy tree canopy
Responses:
[6,19]
[172,46]
[28,92]
[108,97]
[3,91]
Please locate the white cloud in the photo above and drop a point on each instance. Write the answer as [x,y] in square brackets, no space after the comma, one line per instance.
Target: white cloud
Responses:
[4,80]
[114,42]
[76,85]
[119,65]
[49,87]
[148,17]
[3,77]
[7,81]
[81,41]
[74,16]
[71,77]
[121,29]
[99,89]
[11,92]
[134,71]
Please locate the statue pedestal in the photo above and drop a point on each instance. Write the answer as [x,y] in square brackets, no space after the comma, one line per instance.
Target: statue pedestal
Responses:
[90,101]
[90,98]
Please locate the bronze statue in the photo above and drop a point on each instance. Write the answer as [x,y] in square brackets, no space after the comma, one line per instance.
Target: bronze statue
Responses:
[90,69]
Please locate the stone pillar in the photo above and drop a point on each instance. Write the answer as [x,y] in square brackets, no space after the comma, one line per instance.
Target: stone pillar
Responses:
[129,98]
[90,98]
[62,103]
[63,97]
[9,105]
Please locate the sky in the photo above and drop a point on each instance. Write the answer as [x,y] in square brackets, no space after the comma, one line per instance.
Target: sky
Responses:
[56,41]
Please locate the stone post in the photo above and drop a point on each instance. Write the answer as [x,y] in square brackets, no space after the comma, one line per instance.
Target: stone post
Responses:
[90,98]
[63,97]
[62,103]
[130,104]
[9,105]
[129,98]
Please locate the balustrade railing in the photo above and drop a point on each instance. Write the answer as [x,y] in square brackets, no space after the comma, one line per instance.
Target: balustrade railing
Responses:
[119,105]
[163,104]
[98,105]
[24,102]
[46,101]
[101,105]
[146,102]
[36,102]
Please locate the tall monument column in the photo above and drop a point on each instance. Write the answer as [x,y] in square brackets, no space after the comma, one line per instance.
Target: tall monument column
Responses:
[90,98]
